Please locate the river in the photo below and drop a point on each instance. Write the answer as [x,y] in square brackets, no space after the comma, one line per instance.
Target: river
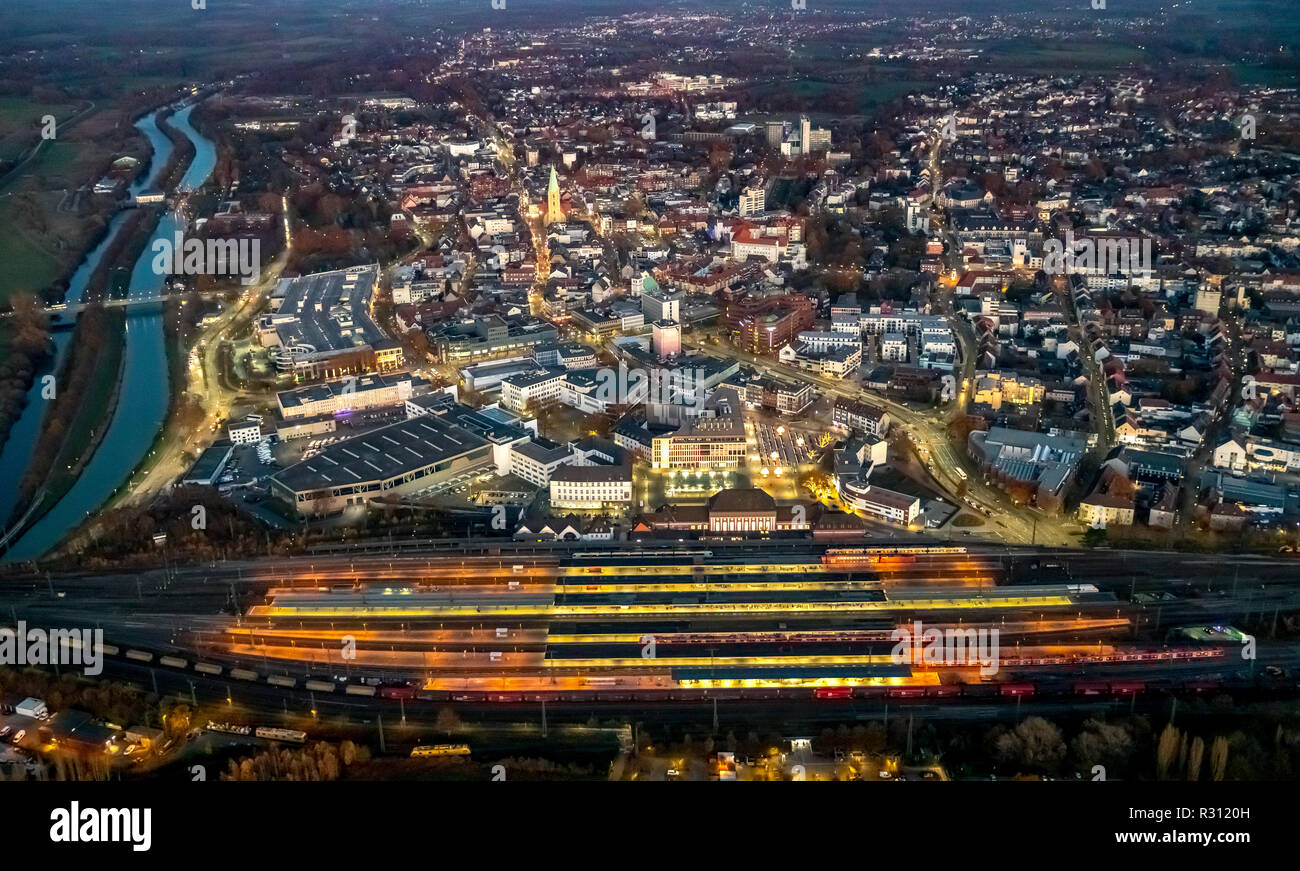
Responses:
[143,392]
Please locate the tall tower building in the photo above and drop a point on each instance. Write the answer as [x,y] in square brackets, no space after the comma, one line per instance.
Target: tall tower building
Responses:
[775,133]
[554,214]
[667,339]
[805,135]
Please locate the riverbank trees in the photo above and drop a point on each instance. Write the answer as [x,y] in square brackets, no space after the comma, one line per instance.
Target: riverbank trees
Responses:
[28,347]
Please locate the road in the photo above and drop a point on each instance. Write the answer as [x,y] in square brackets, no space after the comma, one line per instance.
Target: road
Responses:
[170,458]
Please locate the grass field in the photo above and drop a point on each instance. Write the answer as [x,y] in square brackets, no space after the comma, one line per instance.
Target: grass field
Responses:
[20,121]
[1064,57]
[26,267]
[875,94]
[39,243]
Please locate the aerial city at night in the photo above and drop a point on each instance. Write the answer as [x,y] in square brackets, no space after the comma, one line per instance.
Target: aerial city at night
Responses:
[458,391]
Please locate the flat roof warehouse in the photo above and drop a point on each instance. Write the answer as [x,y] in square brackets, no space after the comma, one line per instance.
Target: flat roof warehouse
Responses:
[382,460]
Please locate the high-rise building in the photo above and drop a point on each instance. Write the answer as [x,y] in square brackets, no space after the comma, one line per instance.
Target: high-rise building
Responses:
[667,338]
[753,200]
[658,304]
[805,135]
[775,133]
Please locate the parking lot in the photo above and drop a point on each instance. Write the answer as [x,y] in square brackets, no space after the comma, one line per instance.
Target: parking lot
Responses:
[20,732]
[781,445]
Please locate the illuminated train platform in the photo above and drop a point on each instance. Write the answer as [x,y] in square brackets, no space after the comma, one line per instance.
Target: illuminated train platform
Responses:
[532,602]
[884,566]
[603,625]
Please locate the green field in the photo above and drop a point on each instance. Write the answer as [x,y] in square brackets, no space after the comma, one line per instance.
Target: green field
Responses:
[875,94]
[26,267]
[34,259]
[20,120]
[1064,57]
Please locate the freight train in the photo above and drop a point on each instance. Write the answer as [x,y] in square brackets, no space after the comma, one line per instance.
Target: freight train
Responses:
[1108,688]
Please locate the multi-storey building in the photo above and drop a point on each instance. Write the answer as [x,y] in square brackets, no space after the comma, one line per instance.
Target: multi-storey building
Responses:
[591,488]
[530,391]
[765,325]
[536,460]
[752,201]
[866,418]
[346,394]
[713,442]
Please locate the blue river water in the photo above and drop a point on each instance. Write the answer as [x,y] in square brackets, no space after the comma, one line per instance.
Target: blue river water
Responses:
[143,394]
[160,145]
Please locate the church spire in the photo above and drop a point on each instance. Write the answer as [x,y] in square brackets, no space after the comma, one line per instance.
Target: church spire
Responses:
[554,214]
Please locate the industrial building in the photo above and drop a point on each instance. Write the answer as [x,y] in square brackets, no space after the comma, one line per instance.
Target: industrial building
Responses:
[394,460]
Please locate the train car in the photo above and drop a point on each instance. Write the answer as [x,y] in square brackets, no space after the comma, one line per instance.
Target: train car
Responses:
[433,695]
[173,661]
[243,674]
[207,668]
[1016,689]
[1127,687]
[139,655]
[1052,687]
[944,691]
[833,693]
[869,692]
[353,689]
[293,736]
[280,680]
[542,697]
[320,686]
[906,692]
[1091,688]
[397,691]
[440,750]
[1201,686]
[228,728]
[110,649]
[979,690]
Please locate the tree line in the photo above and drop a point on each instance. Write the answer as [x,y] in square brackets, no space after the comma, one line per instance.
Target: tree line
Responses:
[29,347]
